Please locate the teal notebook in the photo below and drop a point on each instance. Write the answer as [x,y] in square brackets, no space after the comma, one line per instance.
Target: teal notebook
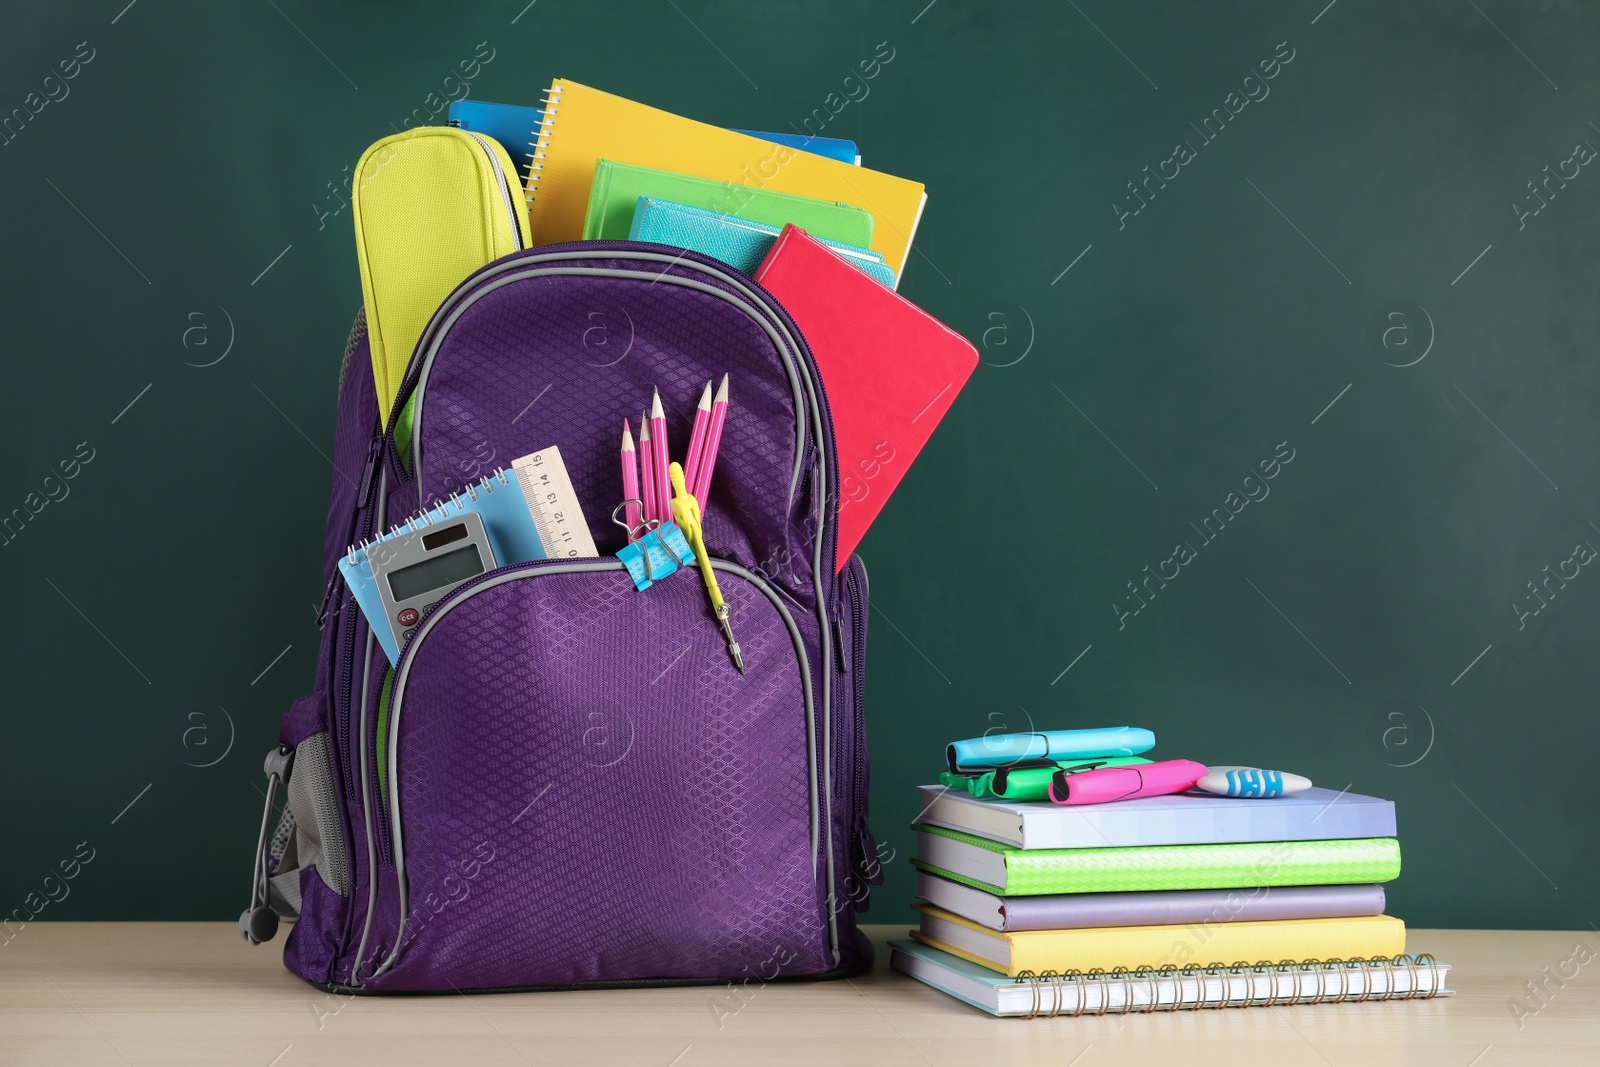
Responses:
[740,243]
[832,147]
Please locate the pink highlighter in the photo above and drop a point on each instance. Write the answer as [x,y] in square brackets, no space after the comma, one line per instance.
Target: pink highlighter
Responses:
[1125,783]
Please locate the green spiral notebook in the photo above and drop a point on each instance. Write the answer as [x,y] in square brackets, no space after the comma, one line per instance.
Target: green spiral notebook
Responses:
[1002,869]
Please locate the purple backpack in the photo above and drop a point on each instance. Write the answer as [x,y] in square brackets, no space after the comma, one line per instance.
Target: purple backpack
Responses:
[563,781]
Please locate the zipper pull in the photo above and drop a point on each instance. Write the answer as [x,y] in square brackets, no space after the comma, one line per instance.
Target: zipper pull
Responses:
[807,490]
[864,861]
[840,646]
[367,471]
[327,598]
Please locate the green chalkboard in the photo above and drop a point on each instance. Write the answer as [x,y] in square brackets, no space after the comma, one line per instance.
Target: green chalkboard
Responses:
[1283,443]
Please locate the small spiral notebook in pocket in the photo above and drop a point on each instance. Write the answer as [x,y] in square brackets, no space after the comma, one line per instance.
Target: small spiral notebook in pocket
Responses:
[1121,992]
[511,528]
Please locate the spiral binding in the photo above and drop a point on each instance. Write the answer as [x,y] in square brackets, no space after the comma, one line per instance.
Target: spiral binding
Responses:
[426,519]
[541,141]
[1318,973]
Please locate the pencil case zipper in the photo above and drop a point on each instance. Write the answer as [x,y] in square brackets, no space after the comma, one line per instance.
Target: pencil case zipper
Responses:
[507,198]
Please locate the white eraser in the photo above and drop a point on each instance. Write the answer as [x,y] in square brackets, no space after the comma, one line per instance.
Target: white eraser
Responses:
[1252,782]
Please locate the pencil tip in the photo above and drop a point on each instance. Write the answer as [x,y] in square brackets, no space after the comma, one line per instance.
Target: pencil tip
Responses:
[627,435]
[655,405]
[705,395]
[722,390]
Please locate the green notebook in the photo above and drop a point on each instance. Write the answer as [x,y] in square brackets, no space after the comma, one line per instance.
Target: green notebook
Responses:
[618,186]
[999,868]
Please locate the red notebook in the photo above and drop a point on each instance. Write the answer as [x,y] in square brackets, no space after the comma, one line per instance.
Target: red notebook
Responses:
[891,370]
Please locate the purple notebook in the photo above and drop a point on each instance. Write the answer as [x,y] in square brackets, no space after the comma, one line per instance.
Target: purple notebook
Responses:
[1074,911]
[1182,819]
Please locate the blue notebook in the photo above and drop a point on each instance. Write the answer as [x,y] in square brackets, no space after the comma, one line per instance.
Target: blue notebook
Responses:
[740,243]
[507,522]
[832,147]
[517,128]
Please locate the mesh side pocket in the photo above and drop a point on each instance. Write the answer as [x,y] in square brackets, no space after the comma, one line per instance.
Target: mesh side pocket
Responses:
[314,802]
[283,884]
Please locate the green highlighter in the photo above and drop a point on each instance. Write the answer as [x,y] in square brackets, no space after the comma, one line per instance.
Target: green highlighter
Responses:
[1027,779]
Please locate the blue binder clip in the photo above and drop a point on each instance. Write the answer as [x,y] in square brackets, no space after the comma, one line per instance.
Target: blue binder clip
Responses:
[655,549]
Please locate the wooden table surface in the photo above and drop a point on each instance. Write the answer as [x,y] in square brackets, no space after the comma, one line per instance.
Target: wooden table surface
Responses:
[194,993]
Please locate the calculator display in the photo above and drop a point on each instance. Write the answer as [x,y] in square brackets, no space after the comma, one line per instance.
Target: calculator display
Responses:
[449,568]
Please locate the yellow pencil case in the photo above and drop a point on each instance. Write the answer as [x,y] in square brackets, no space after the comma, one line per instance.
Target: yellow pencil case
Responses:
[431,205]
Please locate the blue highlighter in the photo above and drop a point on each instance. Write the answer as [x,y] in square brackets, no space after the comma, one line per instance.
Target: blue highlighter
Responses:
[1000,750]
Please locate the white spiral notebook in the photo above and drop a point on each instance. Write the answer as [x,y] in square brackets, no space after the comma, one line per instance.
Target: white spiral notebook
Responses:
[1123,992]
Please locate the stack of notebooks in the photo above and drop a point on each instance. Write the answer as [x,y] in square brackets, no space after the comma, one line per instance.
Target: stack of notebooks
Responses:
[1159,903]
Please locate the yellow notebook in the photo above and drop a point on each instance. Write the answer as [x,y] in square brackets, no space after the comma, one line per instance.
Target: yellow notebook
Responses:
[582,125]
[1130,947]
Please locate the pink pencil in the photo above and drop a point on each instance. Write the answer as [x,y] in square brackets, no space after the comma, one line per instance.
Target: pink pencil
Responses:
[647,464]
[630,478]
[658,439]
[719,414]
[697,437]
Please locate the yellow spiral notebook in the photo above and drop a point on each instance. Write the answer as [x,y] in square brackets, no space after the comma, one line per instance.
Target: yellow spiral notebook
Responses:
[1198,944]
[583,125]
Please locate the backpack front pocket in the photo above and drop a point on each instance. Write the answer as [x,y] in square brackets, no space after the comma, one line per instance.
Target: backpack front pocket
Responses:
[582,788]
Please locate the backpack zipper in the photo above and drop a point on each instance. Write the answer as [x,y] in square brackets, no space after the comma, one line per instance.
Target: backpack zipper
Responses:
[861,832]
[363,527]
[864,860]
[345,734]
[376,849]
[505,187]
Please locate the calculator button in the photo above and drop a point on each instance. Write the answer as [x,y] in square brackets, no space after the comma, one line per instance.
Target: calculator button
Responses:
[407,635]
[409,617]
